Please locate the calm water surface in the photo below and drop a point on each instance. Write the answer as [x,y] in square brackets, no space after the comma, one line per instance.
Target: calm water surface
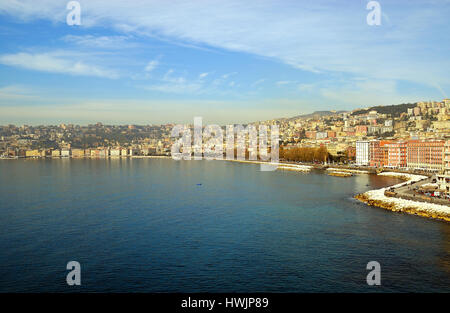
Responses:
[146,225]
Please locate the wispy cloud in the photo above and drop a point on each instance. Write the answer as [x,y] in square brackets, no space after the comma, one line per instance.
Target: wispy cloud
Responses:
[173,82]
[258,82]
[55,62]
[100,42]
[16,92]
[307,35]
[151,65]
[177,88]
[226,76]
[284,82]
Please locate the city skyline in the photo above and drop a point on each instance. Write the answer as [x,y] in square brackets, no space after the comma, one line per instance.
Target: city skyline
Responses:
[138,64]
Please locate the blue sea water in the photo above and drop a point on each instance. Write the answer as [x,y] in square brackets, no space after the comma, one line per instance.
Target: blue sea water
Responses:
[157,225]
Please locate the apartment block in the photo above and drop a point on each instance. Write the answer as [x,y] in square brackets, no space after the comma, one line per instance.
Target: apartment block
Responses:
[397,154]
[78,153]
[378,153]
[56,153]
[362,153]
[443,177]
[426,155]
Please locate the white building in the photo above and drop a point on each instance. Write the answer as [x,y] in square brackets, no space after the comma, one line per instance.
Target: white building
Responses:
[362,153]
[65,153]
[444,177]
[321,135]
[114,152]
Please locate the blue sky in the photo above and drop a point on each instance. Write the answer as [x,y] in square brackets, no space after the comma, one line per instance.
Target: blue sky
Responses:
[148,62]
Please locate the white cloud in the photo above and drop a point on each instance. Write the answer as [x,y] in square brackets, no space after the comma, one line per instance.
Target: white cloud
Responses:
[313,36]
[151,65]
[57,62]
[15,92]
[284,82]
[171,83]
[203,75]
[258,82]
[178,88]
[168,77]
[226,76]
[104,42]
[318,36]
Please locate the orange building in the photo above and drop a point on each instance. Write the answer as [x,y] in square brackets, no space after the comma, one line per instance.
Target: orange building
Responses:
[310,134]
[426,155]
[361,130]
[378,153]
[397,154]
[331,134]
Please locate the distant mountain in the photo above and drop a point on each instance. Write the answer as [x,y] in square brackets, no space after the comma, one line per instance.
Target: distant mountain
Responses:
[316,114]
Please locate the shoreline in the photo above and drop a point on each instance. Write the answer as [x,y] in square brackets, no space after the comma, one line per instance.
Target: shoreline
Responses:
[90,157]
[377,198]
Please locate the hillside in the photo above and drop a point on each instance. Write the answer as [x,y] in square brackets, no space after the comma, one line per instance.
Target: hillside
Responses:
[395,110]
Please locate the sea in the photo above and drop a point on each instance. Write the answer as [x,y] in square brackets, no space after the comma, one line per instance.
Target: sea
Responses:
[160,225]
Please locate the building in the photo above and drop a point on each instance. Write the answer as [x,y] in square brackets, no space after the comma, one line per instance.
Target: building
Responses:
[378,153]
[362,152]
[361,130]
[95,153]
[56,153]
[114,153]
[350,152]
[65,153]
[310,134]
[443,178]
[78,153]
[32,153]
[397,154]
[331,134]
[425,155]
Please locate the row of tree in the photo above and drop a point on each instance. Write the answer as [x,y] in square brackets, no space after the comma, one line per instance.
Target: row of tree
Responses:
[305,154]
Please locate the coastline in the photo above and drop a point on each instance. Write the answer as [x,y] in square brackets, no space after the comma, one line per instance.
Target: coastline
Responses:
[90,157]
[377,198]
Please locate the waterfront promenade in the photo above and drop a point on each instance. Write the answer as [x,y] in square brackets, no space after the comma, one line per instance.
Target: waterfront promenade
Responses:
[408,192]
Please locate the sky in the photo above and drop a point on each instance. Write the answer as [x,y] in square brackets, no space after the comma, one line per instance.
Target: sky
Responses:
[154,62]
